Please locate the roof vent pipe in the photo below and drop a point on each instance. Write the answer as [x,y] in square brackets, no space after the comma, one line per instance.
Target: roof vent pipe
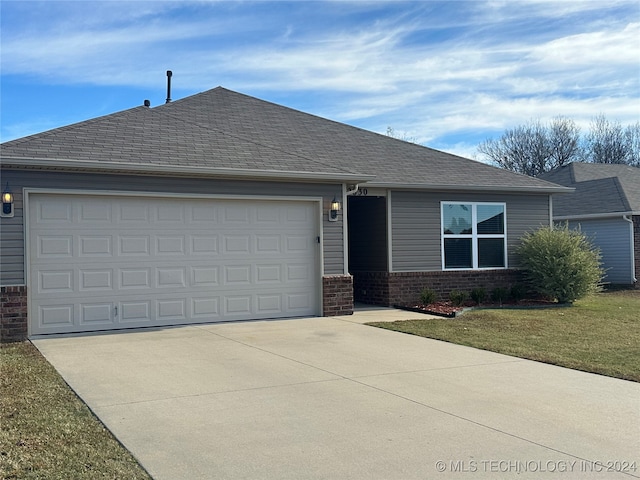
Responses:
[169,74]
[147,103]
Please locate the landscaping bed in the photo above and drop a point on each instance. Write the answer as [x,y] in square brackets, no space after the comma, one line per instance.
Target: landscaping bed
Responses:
[447,309]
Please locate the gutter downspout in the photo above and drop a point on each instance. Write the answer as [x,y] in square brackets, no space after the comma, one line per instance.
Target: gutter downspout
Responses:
[628,218]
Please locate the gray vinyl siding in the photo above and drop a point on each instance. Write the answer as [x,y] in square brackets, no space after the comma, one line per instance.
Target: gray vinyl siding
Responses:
[613,237]
[12,229]
[415,219]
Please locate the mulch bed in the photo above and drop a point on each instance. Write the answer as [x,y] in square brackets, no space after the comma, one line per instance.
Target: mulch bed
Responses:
[448,310]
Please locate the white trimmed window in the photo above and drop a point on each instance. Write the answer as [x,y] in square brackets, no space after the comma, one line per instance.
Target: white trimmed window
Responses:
[474,235]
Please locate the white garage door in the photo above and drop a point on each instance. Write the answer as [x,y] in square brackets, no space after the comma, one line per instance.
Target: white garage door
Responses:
[108,262]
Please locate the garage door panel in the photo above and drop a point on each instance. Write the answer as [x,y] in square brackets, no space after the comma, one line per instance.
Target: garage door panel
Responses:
[96,211]
[299,302]
[135,312]
[204,244]
[56,211]
[56,316]
[206,276]
[134,245]
[170,278]
[96,313]
[54,246]
[135,278]
[96,279]
[170,245]
[171,213]
[117,262]
[205,307]
[134,212]
[235,214]
[235,244]
[269,274]
[171,309]
[93,246]
[55,282]
[235,305]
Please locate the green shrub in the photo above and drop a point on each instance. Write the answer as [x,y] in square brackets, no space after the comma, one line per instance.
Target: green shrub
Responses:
[457,297]
[428,296]
[478,295]
[518,291]
[499,294]
[560,263]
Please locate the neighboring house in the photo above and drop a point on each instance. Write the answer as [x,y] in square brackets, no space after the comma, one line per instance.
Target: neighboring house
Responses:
[606,207]
[221,207]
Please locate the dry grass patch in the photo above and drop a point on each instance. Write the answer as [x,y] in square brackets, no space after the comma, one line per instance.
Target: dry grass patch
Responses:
[598,334]
[46,431]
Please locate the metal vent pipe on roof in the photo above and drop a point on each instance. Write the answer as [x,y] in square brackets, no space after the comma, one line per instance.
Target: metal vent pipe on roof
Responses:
[169,74]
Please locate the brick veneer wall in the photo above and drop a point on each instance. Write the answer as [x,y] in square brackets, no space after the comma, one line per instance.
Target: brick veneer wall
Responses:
[13,314]
[636,247]
[403,288]
[371,288]
[337,295]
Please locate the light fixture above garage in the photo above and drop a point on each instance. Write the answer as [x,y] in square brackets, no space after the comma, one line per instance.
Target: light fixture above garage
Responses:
[335,208]
[7,202]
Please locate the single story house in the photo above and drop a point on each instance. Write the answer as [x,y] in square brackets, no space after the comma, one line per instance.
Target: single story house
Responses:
[221,206]
[606,207]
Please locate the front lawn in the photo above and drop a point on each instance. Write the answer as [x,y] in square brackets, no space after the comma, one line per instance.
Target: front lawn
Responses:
[599,334]
[46,431]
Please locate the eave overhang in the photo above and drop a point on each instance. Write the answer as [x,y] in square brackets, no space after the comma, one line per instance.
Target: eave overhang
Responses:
[475,188]
[67,165]
[596,216]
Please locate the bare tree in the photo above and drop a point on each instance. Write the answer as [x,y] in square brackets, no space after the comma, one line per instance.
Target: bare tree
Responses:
[564,136]
[632,135]
[607,142]
[535,148]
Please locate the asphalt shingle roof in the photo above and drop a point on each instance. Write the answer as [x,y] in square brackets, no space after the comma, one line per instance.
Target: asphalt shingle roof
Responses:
[222,129]
[600,189]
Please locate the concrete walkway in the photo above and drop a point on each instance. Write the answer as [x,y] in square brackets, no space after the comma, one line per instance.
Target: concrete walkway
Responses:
[330,398]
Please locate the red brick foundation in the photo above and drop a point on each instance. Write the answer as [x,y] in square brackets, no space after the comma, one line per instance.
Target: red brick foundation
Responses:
[13,314]
[337,295]
[403,288]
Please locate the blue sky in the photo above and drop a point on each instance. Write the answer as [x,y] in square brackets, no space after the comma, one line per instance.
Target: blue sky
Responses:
[445,74]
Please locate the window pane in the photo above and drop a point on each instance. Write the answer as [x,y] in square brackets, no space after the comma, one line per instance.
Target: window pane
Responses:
[457,253]
[456,218]
[490,252]
[490,219]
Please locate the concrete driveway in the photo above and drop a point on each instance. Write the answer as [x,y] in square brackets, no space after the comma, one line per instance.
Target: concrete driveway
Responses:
[329,398]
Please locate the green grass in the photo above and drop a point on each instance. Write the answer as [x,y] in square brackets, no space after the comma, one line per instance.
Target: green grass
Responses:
[599,334]
[46,431]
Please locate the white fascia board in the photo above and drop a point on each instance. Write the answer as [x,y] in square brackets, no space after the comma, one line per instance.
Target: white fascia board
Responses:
[595,216]
[181,170]
[474,188]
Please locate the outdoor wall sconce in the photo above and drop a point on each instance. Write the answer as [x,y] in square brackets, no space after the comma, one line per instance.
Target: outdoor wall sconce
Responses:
[7,202]
[335,208]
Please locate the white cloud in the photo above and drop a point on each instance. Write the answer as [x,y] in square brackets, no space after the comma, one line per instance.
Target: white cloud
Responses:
[427,69]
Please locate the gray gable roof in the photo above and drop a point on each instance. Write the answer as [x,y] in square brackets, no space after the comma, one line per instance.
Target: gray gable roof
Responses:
[600,189]
[220,132]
